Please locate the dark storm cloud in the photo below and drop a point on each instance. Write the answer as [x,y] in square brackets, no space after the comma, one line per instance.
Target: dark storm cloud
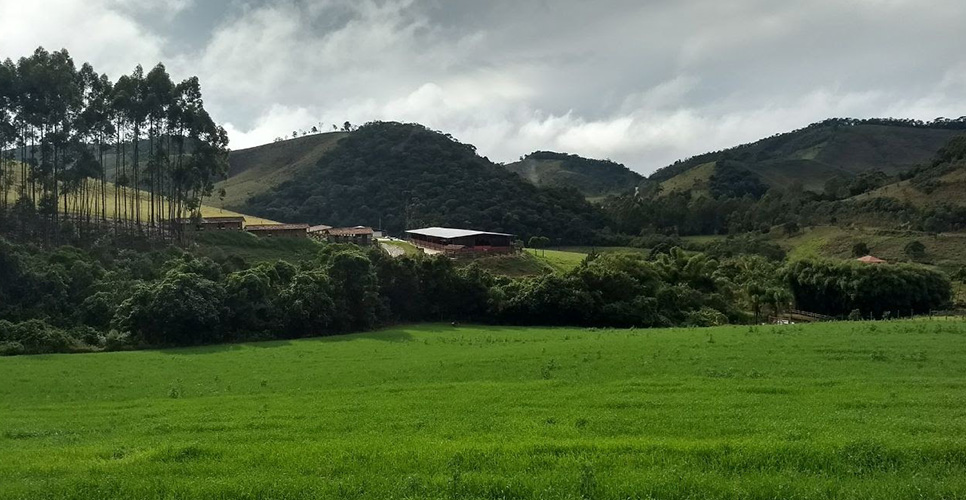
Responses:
[644,83]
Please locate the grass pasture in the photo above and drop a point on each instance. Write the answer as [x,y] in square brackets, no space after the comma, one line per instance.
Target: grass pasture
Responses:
[845,410]
[559,260]
[253,248]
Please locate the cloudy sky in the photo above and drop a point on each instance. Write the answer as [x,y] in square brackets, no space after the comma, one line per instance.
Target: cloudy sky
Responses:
[643,82]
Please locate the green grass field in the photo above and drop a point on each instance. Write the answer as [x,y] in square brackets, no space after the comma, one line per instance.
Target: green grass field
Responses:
[559,260]
[253,249]
[847,410]
[519,265]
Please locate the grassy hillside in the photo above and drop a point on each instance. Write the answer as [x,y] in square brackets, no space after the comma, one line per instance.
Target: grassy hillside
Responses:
[947,251]
[593,178]
[514,266]
[255,170]
[251,248]
[827,411]
[824,150]
[942,181]
[695,180]
[207,210]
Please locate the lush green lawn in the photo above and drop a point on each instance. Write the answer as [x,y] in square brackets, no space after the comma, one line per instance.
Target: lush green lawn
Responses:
[253,248]
[850,410]
[516,266]
[558,259]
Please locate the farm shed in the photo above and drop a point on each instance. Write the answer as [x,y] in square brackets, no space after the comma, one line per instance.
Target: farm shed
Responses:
[359,235]
[458,242]
[279,230]
[214,224]
[319,230]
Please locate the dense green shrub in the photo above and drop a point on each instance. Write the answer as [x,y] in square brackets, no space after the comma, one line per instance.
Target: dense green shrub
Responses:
[36,337]
[181,309]
[306,305]
[836,288]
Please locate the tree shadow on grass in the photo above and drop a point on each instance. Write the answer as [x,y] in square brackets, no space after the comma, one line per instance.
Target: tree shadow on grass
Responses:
[394,334]
[391,334]
[217,348]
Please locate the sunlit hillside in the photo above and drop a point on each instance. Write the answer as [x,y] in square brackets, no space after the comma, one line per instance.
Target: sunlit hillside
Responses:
[127,212]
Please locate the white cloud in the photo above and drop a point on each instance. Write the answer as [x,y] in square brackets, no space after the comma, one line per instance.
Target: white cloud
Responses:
[93,31]
[643,83]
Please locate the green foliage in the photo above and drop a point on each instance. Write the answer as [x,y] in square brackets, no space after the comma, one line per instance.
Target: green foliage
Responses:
[915,250]
[836,288]
[35,337]
[408,176]
[538,242]
[64,122]
[307,306]
[861,249]
[732,180]
[181,309]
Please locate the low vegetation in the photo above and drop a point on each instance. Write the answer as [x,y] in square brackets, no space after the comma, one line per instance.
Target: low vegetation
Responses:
[824,411]
[69,300]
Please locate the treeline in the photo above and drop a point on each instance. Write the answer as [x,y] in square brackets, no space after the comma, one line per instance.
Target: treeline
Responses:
[76,144]
[69,300]
[856,289]
[403,176]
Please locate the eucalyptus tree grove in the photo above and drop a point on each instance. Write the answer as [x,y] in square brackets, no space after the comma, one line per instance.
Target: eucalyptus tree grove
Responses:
[138,152]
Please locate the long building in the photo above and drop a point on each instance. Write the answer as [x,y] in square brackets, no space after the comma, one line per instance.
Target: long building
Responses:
[458,242]
[279,230]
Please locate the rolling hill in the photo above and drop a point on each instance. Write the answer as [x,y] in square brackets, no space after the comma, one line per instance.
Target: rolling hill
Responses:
[813,155]
[941,182]
[593,178]
[254,170]
[400,176]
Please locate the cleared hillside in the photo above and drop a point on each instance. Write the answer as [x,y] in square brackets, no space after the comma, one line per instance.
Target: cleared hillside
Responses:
[592,178]
[834,148]
[255,170]
[941,182]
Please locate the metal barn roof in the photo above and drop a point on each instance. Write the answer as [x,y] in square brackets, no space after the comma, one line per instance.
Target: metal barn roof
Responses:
[450,233]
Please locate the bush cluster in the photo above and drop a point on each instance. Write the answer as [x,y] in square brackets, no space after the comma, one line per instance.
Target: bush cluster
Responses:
[69,300]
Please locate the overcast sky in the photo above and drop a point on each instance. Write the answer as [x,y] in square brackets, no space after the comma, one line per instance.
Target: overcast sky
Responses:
[643,82]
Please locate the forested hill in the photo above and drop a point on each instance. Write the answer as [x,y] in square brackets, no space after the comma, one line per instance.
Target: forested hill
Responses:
[822,151]
[399,176]
[593,178]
